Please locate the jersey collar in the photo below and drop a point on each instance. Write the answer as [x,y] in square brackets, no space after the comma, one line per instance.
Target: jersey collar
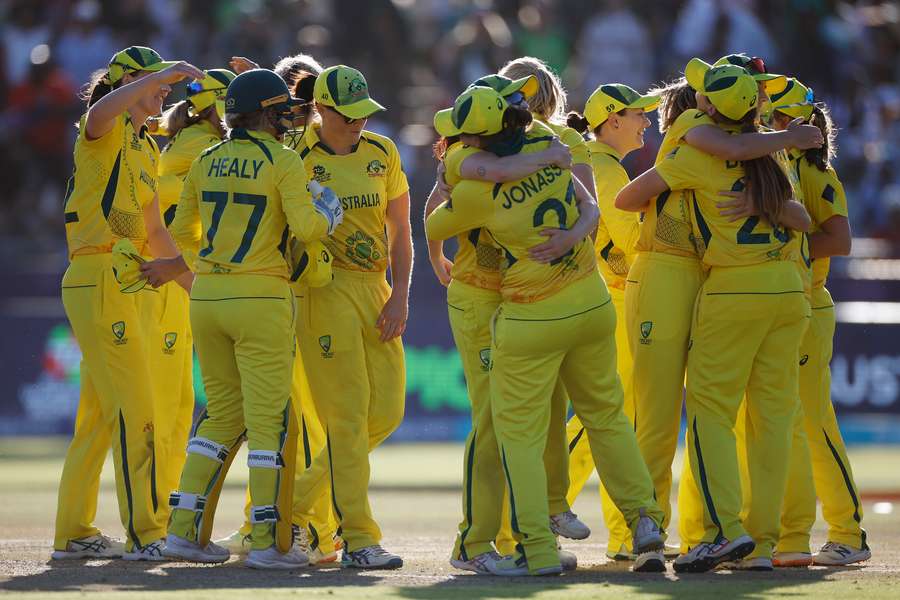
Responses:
[314,141]
[598,147]
[243,134]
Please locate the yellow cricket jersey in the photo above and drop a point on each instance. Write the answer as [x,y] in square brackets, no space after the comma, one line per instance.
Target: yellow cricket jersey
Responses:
[250,192]
[477,260]
[618,229]
[571,138]
[824,197]
[114,178]
[727,244]
[515,212]
[666,226]
[175,162]
[365,181]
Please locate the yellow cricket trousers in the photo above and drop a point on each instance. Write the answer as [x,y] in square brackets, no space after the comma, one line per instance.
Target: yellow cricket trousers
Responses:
[581,463]
[115,408]
[827,455]
[243,331]
[571,336]
[318,519]
[358,385]
[659,295]
[485,504]
[170,348]
[746,333]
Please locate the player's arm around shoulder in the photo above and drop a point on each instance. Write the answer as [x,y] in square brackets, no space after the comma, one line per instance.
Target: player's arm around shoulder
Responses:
[470,206]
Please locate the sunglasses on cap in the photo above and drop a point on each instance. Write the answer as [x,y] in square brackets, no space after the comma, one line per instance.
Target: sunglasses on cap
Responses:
[195,87]
[757,65]
[808,100]
[515,98]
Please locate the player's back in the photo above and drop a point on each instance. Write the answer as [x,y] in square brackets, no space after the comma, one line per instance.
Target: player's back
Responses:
[239,187]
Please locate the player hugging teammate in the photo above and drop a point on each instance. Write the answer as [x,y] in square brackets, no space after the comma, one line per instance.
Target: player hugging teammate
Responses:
[707,271]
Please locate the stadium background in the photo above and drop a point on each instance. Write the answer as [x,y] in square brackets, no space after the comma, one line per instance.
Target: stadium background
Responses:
[416,56]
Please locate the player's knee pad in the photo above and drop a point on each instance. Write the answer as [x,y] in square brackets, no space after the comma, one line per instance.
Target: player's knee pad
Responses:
[186,501]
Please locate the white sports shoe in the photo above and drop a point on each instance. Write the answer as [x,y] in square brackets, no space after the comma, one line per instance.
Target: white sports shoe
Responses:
[316,555]
[481,564]
[647,536]
[152,552]
[706,555]
[271,558]
[517,566]
[792,559]
[567,560]
[569,526]
[236,543]
[837,554]
[371,557]
[180,548]
[94,546]
[649,562]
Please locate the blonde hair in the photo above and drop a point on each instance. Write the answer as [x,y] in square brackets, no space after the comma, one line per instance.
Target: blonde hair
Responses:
[549,102]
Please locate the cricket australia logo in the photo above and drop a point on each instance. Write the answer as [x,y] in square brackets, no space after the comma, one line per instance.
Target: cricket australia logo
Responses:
[118,329]
[169,342]
[485,355]
[356,89]
[325,345]
[320,174]
[646,328]
[376,168]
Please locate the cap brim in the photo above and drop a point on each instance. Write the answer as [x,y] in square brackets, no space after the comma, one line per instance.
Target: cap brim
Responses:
[694,72]
[774,84]
[160,66]
[443,123]
[648,103]
[360,110]
[527,85]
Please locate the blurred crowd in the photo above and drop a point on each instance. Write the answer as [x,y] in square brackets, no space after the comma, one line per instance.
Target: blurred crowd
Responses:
[418,54]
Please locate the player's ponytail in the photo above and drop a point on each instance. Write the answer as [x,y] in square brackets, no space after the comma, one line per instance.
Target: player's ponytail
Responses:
[549,102]
[822,157]
[96,87]
[766,181]
[440,147]
[675,97]
[578,122]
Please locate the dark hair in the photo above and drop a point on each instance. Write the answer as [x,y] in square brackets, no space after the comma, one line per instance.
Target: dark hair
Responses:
[766,181]
[440,147]
[303,88]
[96,87]
[675,97]
[514,119]
[577,121]
[822,157]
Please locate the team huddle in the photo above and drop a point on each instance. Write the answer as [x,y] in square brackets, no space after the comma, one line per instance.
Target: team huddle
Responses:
[261,237]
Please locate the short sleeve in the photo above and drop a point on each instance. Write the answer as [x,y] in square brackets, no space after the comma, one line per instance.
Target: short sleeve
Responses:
[831,200]
[677,169]
[397,185]
[109,142]
[580,153]
[453,160]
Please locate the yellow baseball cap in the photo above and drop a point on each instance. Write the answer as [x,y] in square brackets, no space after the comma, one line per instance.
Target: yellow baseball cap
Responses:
[477,111]
[313,266]
[613,97]
[345,89]
[126,263]
[730,88]
[796,100]
[202,93]
[133,59]
[757,68]
[506,86]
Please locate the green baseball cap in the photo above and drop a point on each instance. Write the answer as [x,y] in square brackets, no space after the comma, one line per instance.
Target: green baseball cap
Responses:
[477,111]
[506,86]
[345,90]
[730,88]
[757,68]
[134,59]
[613,97]
[796,100]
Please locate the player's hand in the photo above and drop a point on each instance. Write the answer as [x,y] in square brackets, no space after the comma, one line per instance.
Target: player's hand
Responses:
[803,136]
[239,64]
[392,320]
[559,241]
[739,207]
[163,270]
[177,72]
[559,154]
[442,265]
